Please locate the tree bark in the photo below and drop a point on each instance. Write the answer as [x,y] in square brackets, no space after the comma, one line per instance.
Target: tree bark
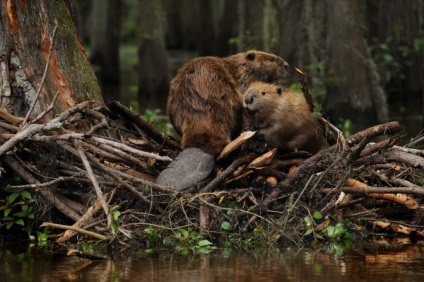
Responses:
[26,29]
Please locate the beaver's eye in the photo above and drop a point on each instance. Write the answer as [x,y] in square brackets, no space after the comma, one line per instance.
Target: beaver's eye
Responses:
[250,56]
[272,59]
[279,91]
[263,93]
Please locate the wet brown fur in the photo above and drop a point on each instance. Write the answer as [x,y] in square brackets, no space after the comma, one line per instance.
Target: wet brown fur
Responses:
[282,118]
[205,99]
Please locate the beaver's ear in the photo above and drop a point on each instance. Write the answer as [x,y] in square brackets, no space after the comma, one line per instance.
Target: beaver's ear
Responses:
[279,91]
[250,56]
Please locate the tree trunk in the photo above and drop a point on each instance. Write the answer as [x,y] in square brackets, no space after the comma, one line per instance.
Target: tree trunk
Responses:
[105,38]
[26,34]
[329,41]
[357,95]
[399,28]
[153,61]
[226,27]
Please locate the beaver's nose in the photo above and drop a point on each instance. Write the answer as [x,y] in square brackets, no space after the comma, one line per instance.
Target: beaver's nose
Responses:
[286,66]
[248,99]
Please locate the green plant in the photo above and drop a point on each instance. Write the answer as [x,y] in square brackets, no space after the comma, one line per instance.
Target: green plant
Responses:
[394,57]
[42,236]
[116,214]
[337,232]
[191,240]
[18,210]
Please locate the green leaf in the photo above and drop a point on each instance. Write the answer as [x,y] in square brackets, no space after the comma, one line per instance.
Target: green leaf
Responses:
[226,226]
[19,214]
[31,216]
[330,231]
[6,212]
[20,222]
[184,233]
[309,231]
[116,215]
[204,243]
[26,195]
[318,215]
[9,224]
[12,197]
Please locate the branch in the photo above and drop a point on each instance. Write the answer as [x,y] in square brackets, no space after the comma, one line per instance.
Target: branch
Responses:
[43,78]
[147,127]
[93,179]
[75,229]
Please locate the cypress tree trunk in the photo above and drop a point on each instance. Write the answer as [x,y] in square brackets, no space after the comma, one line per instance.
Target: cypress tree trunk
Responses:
[153,61]
[26,29]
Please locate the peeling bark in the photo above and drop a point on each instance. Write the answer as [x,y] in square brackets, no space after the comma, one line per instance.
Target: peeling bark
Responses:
[26,30]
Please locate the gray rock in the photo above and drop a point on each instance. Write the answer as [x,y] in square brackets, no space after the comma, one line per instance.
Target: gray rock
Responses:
[188,169]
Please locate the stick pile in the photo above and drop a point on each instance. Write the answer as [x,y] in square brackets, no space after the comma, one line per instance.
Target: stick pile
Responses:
[91,161]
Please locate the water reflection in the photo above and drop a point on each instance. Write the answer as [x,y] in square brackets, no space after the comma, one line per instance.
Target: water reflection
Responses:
[360,263]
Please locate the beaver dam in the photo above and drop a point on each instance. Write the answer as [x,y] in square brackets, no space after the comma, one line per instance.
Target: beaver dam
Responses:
[91,172]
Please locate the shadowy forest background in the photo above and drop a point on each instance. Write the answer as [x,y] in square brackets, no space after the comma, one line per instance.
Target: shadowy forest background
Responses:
[363,59]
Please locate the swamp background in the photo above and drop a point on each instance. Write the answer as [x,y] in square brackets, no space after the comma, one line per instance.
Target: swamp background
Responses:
[363,59]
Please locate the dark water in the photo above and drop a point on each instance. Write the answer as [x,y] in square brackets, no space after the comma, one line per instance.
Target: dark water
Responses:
[365,262]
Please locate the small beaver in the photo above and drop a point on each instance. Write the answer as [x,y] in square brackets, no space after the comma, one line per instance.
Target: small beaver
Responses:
[205,99]
[282,118]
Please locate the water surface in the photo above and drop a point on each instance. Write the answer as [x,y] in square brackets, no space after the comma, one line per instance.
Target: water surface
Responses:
[364,262]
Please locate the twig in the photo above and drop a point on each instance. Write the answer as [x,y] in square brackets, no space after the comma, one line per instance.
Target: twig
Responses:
[211,185]
[40,86]
[82,221]
[381,129]
[75,229]
[129,149]
[339,133]
[93,179]
[380,190]
[152,132]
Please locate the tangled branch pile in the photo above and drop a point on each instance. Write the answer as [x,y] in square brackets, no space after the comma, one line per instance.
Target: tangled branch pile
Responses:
[91,161]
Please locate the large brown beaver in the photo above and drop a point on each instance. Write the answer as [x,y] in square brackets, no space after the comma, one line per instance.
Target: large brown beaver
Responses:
[282,118]
[205,106]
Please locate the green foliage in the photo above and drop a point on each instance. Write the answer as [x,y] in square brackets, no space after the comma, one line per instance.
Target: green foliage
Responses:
[116,214]
[17,210]
[259,238]
[333,232]
[347,127]
[393,58]
[226,226]
[42,236]
[190,241]
[159,121]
